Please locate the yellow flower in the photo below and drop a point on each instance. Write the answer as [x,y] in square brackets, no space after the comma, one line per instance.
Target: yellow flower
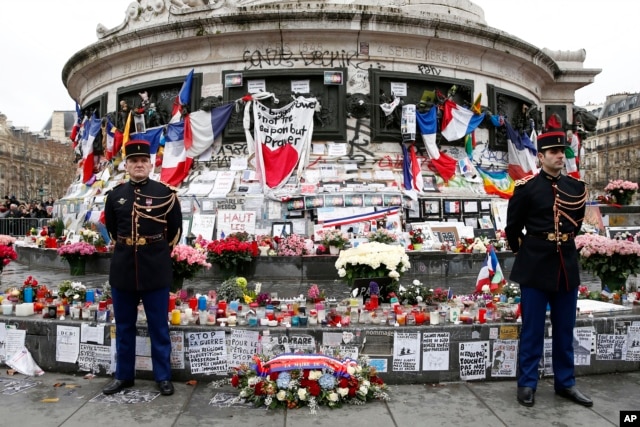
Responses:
[247,299]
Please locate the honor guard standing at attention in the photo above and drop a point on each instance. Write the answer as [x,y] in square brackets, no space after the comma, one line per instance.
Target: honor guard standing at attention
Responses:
[544,215]
[144,218]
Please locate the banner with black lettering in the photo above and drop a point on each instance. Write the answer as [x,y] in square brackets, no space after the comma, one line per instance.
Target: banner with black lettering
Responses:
[282,138]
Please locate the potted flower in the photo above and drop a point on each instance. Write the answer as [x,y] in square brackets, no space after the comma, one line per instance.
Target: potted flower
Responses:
[314,294]
[232,289]
[417,239]
[292,245]
[612,260]
[373,260]
[57,226]
[621,190]
[230,253]
[76,255]
[382,235]
[264,244]
[334,239]
[186,261]
[7,253]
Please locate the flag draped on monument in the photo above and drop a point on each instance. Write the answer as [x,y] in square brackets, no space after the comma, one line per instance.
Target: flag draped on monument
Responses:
[282,139]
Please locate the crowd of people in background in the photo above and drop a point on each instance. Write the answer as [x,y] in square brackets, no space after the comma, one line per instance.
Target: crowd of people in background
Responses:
[11,207]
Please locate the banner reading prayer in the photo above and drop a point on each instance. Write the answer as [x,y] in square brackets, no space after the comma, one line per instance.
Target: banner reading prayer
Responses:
[282,139]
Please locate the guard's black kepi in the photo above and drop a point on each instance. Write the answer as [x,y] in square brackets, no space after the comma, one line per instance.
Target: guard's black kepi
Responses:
[551,140]
[137,147]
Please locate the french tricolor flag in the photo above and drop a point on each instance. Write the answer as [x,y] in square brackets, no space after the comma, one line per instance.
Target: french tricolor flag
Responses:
[183,98]
[428,124]
[202,128]
[175,163]
[490,273]
[411,169]
[522,154]
[457,121]
[92,128]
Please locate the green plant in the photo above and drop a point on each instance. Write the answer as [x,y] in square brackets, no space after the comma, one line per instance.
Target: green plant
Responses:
[57,225]
[232,289]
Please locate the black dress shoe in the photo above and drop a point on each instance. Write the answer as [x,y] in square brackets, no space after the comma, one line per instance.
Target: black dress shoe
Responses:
[166,388]
[526,396]
[116,386]
[574,394]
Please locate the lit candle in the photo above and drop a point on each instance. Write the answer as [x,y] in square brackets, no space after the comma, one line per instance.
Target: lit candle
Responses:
[175,317]
[188,313]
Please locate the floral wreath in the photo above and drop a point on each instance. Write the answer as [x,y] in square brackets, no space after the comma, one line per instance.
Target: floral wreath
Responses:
[296,380]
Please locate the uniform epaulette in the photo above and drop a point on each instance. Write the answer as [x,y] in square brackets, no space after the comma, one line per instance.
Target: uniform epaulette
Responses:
[524,180]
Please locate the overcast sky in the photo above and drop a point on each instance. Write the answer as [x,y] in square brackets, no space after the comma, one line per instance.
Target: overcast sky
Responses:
[39,36]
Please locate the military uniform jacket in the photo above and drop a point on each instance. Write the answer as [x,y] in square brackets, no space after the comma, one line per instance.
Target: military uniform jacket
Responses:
[537,205]
[149,210]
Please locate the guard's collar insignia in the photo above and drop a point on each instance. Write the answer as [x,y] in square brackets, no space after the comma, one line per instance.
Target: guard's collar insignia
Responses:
[122,201]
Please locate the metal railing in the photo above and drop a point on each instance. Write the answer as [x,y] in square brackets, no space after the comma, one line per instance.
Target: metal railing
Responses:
[17,227]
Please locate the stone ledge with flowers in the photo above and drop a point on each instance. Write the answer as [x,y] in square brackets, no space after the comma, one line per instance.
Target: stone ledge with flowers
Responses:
[621,191]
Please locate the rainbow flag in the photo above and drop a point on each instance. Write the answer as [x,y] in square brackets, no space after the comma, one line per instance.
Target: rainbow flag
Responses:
[498,183]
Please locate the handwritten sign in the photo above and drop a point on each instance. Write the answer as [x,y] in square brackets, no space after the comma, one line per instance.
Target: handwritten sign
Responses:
[405,351]
[435,351]
[235,222]
[207,352]
[202,225]
[67,343]
[610,346]
[243,345]
[93,358]
[505,357]
[473,360]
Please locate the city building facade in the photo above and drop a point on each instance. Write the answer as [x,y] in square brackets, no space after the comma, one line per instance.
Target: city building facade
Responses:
[612,152]
[33,167]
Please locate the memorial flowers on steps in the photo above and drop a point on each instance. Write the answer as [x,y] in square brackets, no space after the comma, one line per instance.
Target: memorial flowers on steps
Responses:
[313,380]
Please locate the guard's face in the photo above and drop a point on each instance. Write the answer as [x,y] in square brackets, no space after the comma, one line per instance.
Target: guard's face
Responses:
[552,160]
[138,167]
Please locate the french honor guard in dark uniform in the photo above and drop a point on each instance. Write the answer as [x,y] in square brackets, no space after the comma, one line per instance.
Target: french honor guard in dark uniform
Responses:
[544,215]
[144,220]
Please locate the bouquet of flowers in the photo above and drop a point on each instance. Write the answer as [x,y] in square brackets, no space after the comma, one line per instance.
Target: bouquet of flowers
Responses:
[317,380]
[607,258]
[372,259]
[417,237]
[230,252]
[72,291]
[7,254]
[74,251]
[35,286]
[292,245]
[333,237]
[511,290]
[621,190]
[315,294]
[264,240]
[382,235]
[187,261]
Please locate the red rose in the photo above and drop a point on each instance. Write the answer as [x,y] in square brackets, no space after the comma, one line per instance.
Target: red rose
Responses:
[235,380]
[314,388]
[274,376]
[343,383]
[376,380]
[352,391]
[305,373]
[258,390]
